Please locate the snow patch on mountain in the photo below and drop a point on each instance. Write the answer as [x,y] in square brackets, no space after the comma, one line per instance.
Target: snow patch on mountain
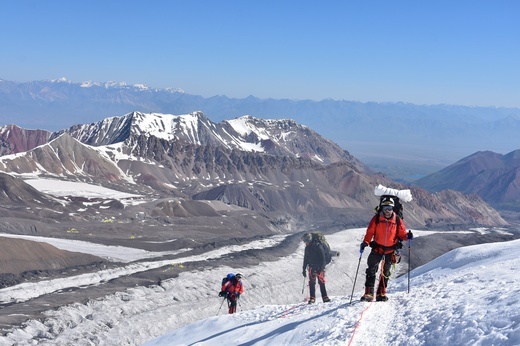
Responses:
[71,188]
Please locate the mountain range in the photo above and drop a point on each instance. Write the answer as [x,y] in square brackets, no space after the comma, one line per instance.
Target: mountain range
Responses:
[277,166]
[405,141]
[492,176]
[285,172]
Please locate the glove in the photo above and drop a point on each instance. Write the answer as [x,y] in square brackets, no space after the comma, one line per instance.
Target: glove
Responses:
[409,235]
[304,273]
[362,246]
[222,294]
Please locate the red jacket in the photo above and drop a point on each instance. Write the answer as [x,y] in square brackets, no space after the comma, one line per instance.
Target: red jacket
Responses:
[233,286]
[385,232]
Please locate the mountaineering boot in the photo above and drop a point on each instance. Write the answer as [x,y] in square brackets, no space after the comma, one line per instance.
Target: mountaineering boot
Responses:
[381,297]
[369,294]
[381,291]
[326,299]
[381,288]
[312,300]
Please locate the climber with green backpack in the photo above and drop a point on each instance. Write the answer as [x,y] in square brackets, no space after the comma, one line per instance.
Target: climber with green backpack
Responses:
[316,257]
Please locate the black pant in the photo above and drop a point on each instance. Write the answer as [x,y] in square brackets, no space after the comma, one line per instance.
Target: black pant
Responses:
[373,265]
[313,275]
[232,303]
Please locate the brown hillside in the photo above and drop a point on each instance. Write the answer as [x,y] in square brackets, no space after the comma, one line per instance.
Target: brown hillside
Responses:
[19,255]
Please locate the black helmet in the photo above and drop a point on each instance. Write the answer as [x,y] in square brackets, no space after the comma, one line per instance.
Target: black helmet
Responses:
[238,276]
[307,238]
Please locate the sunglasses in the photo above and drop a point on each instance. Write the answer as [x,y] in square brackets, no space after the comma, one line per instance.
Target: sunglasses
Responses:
[387,208]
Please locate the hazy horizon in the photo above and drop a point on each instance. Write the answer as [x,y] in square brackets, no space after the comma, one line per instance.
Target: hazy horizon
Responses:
[460,53]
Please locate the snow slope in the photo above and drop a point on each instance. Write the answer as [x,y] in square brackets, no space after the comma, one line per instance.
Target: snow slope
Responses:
[469,296]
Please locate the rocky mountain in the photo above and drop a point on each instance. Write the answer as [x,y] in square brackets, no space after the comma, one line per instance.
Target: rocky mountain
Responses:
[14,139]
[65,157]
[276,168]
[423,138]
[274,137]
[494,177]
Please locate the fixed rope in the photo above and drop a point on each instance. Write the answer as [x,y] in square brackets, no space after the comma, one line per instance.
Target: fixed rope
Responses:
[357,324]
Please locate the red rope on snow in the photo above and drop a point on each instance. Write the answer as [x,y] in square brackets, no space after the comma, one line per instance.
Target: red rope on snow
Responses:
[286,312]
[357,324]
[381,275]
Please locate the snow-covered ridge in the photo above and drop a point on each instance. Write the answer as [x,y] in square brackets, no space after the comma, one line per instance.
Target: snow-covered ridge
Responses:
[64,156]
[121,85]
[61,80]
[246,133]
[167,126]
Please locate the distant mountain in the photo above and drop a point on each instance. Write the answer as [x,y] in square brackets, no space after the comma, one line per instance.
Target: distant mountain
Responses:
[494,177]
[404,140]
[274,167]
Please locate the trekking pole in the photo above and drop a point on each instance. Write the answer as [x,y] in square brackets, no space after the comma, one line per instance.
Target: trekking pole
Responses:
[355,277]
[221,305]
[238,304]
[409,261]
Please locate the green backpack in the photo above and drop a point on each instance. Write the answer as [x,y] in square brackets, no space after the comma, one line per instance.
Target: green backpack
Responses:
[319,238]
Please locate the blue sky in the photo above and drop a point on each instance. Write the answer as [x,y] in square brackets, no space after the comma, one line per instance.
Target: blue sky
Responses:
[423,52]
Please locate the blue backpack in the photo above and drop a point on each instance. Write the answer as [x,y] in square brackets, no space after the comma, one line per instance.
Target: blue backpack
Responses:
[227,278]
